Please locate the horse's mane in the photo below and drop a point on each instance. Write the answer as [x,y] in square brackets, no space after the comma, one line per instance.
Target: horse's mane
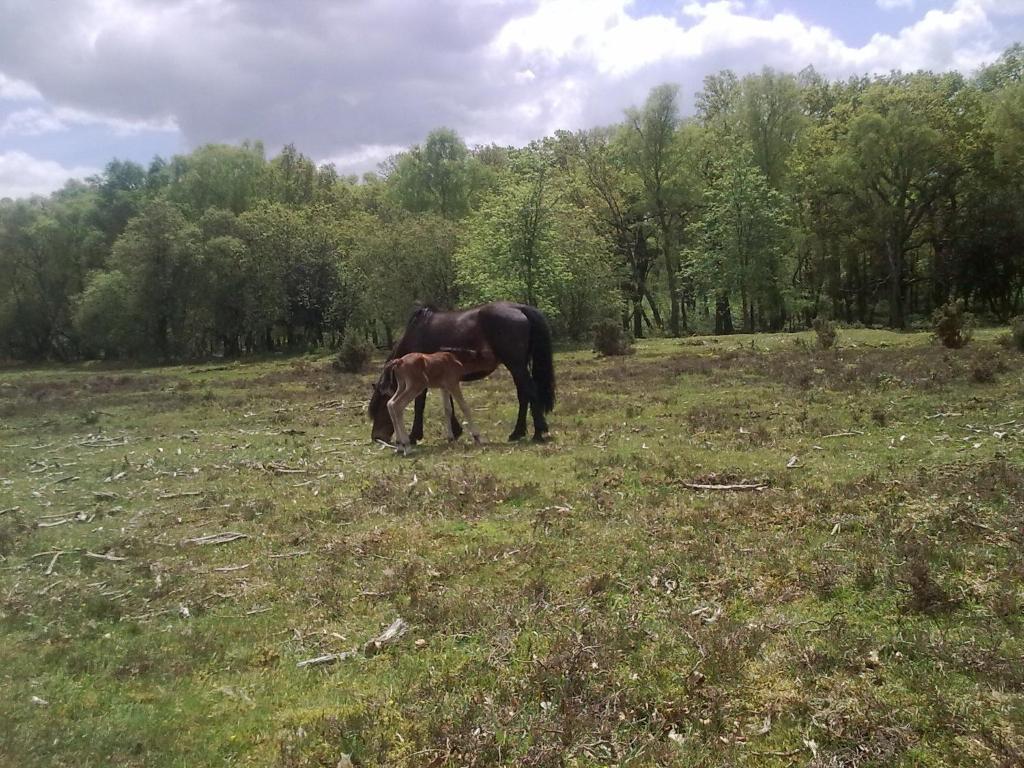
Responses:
[420,313]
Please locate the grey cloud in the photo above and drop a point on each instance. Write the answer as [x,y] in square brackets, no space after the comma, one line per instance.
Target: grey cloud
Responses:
[325,75]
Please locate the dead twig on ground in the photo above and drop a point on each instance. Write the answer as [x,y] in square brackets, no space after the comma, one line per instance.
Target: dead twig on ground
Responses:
[230,568]
[224,537]
[328,658]
[111,558]
[390,635]
[726,486]
[53,562]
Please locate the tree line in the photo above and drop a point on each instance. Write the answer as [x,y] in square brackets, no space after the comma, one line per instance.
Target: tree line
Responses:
[785,197]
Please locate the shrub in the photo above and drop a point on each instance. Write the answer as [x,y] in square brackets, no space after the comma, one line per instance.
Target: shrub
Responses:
[354,354]
[952,324]
[826,331]
[1017,332]
[610,338]
[984,371]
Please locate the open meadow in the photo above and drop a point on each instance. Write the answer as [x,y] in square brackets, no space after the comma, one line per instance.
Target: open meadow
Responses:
[174,541]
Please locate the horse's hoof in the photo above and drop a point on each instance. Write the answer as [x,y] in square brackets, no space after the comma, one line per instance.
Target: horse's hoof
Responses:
[515,436]
[539,438]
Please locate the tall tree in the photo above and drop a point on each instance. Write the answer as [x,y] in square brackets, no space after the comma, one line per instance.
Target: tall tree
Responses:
[651,139]
[436,177]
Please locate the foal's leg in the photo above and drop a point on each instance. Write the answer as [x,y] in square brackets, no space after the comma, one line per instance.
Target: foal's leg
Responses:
[449,416]
[396,407]
[457,394]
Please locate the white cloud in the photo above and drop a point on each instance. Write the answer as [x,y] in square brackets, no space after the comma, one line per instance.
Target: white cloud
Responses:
[889,5]
[22,175]
[604,35]
[31,122]
[34,121]
[17,90]
[363,158]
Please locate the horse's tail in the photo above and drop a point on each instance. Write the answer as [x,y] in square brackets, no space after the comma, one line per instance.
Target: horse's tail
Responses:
[543,364]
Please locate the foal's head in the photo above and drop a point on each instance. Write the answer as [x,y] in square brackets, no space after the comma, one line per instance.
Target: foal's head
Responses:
[383,389]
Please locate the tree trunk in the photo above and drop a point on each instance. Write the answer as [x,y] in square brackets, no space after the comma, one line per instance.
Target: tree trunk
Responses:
[654,307]
[723,315]
[897,316]
[673,294]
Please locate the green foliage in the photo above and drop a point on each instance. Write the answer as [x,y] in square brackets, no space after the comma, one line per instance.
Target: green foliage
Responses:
[158,256]
[870,200]
[951,324]
[437,177]
[528,243]
[106,316]
[740,245]
[403,259]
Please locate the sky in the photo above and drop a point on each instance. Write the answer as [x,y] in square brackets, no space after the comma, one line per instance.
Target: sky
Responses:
[354,81]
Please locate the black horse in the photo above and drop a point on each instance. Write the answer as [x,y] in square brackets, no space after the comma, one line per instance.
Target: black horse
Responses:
[517,335]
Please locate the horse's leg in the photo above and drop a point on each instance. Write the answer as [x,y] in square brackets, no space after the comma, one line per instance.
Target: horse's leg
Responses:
[540,424]
[457,394]
[524,384]
[448,414]
[417,418]
[453,420]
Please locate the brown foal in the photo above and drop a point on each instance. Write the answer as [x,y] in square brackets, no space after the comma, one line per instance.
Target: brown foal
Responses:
[416,372]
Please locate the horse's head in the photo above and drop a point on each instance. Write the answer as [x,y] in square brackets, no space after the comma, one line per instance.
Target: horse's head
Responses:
[383,389]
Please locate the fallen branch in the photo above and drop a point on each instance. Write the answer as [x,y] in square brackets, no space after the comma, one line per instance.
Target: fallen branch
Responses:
[281,469]
[390,635]
[65,479]
[727,487]
[53,562]
[229,568]
[329,658]
[9,509]
[850,433]
[300,553]
[63,520]
[50,586]
[943,415]
[225,537]
[178,495]
[111,558]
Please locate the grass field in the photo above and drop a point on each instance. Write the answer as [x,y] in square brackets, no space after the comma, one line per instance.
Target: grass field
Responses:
[575,603]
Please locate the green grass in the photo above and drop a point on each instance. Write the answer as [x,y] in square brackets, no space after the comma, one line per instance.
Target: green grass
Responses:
[573,603]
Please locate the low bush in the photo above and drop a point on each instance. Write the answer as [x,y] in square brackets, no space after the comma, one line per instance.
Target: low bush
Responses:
[353,355]
[611,339]
[826,332]
[951,324]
